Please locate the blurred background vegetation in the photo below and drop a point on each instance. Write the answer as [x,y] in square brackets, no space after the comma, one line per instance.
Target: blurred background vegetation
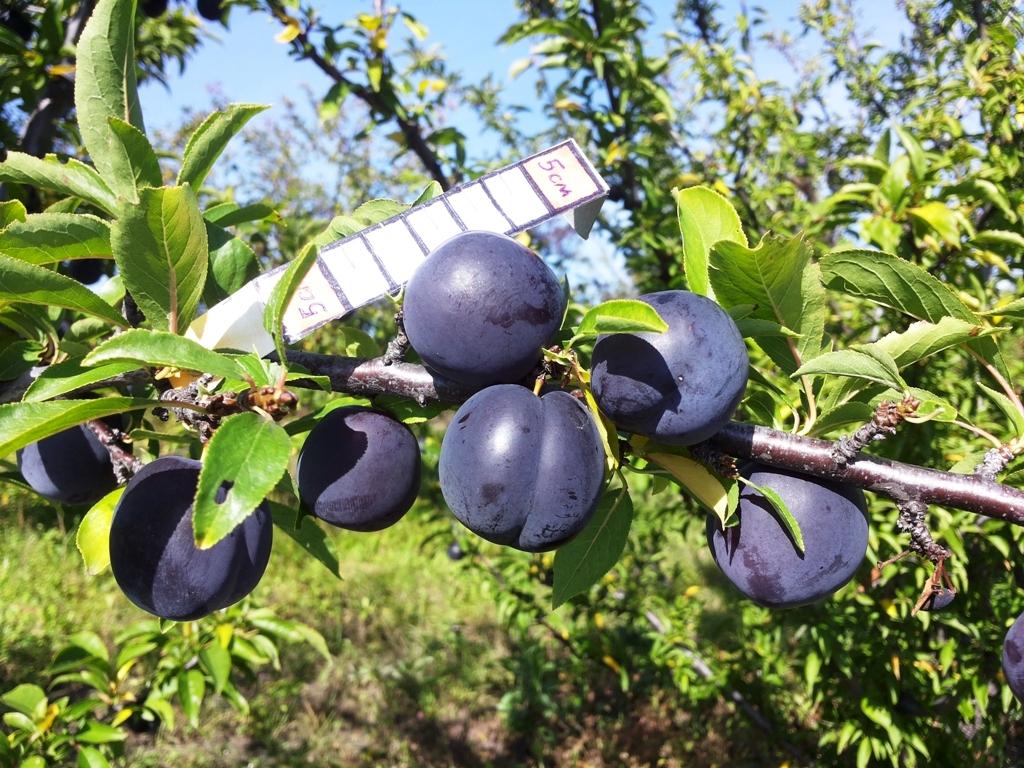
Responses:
[432,654]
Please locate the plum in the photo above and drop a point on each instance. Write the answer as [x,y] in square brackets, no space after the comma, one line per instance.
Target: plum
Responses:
[211,10]
[522,470]
[1013,657]
[480,308]
[72,467]
[940,598]
[153,554]
[760,558]
[359,469]
[680,386]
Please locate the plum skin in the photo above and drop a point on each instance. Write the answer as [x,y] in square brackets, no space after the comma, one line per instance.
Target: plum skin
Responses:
[480,308]
[521,470]
[1013,657]
[758,556]
[72,467]
[680,386]
[359,469]
[153,554]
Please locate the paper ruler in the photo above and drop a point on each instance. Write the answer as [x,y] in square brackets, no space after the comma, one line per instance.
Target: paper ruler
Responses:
[359,269]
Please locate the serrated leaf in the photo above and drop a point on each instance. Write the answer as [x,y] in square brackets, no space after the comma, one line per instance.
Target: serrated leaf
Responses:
[999,240]
[705,218]
[138,154]
[870,364]
[230,214]
[621,316]
[251,453]
[432,190]
[19,357]
[72,179]
[915,153]
[93,537]
[24,283]
[377,210]
[47,238]
[159,349]
[281,296]
[161,250]
[24,423]
[779,280]
[191,690]
[208,141]
[305,532]
[779,505]
[105,87]
[59,379]
[595,550]
[91,643]
[1014,309]
[923,339]
[892,282]
[14,210]
[697,480]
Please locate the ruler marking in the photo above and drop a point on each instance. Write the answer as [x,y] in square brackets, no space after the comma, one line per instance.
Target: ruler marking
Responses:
[455,216]
[495,203]
[536,189]
[329,277]
[392,285]
[586,167]
[415,235]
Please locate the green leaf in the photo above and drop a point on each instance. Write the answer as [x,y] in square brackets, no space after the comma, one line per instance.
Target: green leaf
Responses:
[229,214]
[923,339]
[779,280]
[908,288]
[138,153]
[59,379]
[1014,309]
[24,423]
[587,557]
[785,516]
[432,190]
[46,238]
[893,282]
[191,689]
[105,87]
[93,537]
[12,211]
[870,364]
[160,348]
[915,153]
[1010,411]
[621,316]
[24,283]
[19,357]
[705,218]
[999,240]
[161,250]
[232,264]
[72,179]
[216,660]
[304,531]
[940,219]
[282,294]
[210,138]
[24,698]
[90,757]
[250,452]
[100,733]
[698,481]
[92,644]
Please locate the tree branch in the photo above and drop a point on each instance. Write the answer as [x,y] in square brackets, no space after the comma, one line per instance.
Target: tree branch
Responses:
[810,456]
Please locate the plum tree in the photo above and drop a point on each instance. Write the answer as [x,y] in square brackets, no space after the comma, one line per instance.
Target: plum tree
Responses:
[359,469]
[522,470]
[761,559]
[680,386]
[1013,657]
[72,467]
[480,308]
[153,554]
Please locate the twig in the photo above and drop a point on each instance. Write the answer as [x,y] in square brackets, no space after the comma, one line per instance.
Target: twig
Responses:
[398,347]
[883,423]
[124,463]
[912,521]
[996,460]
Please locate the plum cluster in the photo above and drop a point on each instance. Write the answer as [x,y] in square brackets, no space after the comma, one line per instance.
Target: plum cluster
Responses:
[71,467]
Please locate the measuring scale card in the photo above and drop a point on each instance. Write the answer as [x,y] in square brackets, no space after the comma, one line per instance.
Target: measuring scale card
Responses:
[359,269]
